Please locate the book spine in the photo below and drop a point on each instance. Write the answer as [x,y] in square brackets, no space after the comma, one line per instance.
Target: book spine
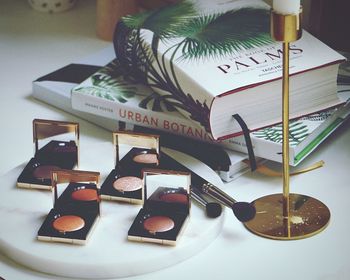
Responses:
[138,116]
[167,123]
[262,148]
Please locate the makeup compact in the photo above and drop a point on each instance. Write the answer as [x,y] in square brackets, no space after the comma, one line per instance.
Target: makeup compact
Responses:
[133,152]
[76,209]
[166,207]
[56,146]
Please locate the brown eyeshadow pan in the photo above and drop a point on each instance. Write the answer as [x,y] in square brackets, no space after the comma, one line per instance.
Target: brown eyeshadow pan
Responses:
[68,223]
[43,172]
[128,184]
[158,224]
[146,158]
[84,195]
[174,197]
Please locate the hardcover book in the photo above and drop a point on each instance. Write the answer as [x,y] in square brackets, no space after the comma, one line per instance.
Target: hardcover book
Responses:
[98,94]
[213,59]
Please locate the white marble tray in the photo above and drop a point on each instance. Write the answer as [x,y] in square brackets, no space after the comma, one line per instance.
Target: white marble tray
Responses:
[108,253]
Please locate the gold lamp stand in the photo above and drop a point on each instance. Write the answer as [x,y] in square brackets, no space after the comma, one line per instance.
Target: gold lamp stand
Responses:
[287,216]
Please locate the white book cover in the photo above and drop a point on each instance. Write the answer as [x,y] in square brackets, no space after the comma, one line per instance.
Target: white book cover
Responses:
[215,59]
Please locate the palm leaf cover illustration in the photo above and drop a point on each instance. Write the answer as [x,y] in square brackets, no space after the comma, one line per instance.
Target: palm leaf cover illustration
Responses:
[197,37]
[297,133]
[298,129]
[107,83]
[110,83]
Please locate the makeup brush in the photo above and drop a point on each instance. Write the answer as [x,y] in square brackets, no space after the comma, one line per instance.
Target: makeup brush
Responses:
[244,211]
[212,209]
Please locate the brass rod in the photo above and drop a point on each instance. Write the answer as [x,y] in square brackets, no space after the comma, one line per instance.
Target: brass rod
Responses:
[285,129]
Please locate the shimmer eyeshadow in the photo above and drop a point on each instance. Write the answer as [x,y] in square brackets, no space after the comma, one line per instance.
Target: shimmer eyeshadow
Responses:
[84,195]
[158,224]
[146,158]
[68,223]
[174,197]
[43,172]
[127,184]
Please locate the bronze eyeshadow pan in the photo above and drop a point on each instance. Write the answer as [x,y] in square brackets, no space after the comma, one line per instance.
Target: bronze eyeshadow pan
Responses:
[156,224]
[174,197]
[43,172]
[68,223]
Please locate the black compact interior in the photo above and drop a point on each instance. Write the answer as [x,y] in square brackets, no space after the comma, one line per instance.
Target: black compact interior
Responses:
[75,211]
[168,206]
[127,172]
[55,154]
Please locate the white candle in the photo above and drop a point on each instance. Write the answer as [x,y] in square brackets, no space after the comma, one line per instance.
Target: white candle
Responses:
[286,7]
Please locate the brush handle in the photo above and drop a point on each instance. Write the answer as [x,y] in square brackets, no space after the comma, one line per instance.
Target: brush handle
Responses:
[196,195]
[218,194]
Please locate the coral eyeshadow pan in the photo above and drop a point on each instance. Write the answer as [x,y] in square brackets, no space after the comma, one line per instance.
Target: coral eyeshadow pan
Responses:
[158,224]
[68,223]
[85,195]
[174,197]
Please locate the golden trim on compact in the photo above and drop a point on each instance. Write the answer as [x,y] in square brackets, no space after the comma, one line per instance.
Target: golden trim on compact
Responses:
[133,151]
[166,208]
[56,146]
[75,211]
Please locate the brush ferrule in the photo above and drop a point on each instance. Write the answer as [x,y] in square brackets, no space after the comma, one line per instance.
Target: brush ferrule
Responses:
[197,197]
[218,194]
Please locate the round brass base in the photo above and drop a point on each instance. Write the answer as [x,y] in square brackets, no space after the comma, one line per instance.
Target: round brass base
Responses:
[307,217]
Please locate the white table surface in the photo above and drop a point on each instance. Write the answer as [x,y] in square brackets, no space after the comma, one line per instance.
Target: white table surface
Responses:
[33,44]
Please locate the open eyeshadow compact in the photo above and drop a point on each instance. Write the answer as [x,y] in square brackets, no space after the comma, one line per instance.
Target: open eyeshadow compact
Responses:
[133,152]
[76,209]
[166,207]
[56,146]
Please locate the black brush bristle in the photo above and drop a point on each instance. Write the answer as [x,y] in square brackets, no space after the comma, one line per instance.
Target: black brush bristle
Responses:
[244,211]
[213,209]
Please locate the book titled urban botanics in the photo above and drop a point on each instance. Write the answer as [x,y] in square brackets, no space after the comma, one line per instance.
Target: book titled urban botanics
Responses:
[214,59]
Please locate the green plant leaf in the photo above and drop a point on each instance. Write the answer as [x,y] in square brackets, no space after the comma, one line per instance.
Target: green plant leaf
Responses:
[298,131]
[164,21]
[229,32]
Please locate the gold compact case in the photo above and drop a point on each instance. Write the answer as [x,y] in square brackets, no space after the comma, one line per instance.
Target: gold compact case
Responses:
[166,208]
[76,209]
[133,152]
[56,146]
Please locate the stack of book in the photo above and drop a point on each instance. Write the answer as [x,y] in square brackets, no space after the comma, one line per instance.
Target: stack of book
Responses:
[191,90]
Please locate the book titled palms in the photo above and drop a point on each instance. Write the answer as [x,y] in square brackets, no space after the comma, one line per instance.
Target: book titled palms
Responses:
[213,59]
